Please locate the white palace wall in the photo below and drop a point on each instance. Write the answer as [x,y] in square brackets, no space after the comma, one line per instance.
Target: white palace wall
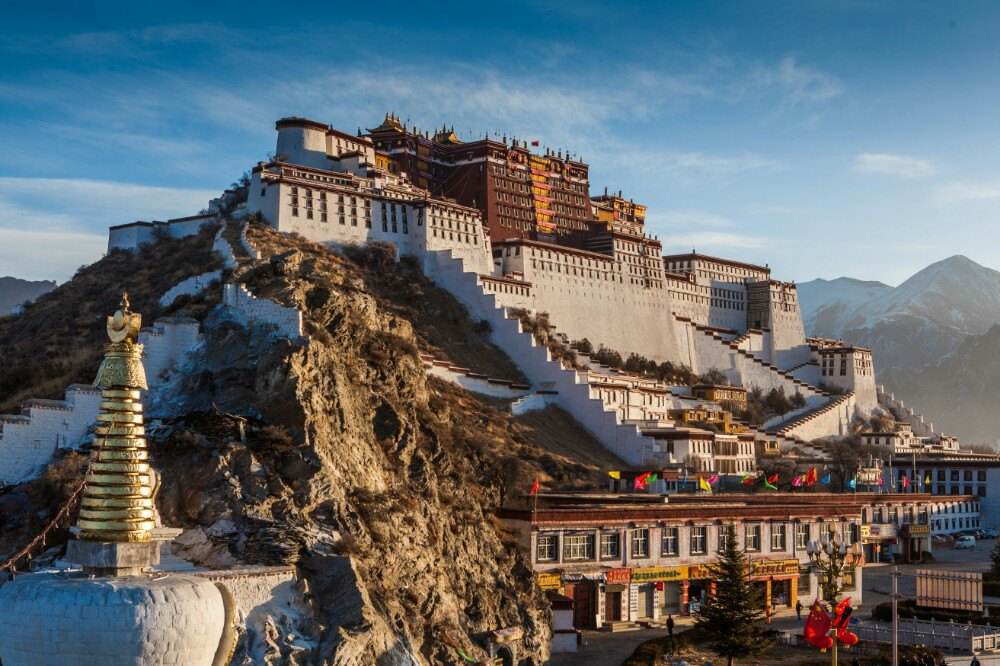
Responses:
[586,296]
[287,321]
[30,439]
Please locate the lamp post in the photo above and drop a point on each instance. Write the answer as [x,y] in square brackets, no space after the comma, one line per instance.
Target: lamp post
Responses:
[831,558]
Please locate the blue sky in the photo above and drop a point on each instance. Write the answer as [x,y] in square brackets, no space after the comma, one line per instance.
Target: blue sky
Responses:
[824,138]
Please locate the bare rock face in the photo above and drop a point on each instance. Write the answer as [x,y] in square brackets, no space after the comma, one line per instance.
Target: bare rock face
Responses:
[338,455]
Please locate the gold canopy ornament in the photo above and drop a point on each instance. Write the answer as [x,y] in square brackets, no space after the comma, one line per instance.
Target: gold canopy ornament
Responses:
[117,503]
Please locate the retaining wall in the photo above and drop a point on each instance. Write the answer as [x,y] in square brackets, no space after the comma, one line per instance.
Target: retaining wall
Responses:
[288,321]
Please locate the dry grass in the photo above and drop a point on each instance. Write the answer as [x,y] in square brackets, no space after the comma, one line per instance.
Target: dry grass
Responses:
[58,339]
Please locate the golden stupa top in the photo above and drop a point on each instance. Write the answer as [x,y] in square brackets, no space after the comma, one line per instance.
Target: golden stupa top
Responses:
[122,364]
[124,324]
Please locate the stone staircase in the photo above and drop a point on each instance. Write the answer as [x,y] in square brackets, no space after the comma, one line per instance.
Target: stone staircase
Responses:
[556,384]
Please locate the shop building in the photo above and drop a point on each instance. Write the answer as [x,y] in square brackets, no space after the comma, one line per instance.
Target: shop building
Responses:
[635,560]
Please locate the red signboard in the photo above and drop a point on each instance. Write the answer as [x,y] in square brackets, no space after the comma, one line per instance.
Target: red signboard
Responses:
[619,577]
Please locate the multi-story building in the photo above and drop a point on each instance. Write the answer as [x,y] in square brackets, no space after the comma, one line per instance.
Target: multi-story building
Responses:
[899,526]
[520,194]
[635,560]
[899,439]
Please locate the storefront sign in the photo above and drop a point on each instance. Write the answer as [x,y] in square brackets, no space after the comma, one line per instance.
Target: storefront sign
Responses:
[696,571]
[866,531]
[652,574]
[549,581]
[919,530]
[618,576]
[774,568]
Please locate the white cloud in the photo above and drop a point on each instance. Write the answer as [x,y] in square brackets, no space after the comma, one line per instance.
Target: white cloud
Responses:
[902,166]
[959,191]
[47,255]
[51,226]
[682,219]
[795,82]
[714,239]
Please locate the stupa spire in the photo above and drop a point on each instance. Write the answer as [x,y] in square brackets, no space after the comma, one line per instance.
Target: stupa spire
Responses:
[117,503]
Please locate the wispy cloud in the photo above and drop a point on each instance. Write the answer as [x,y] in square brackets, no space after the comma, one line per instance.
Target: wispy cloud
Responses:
[902,166]
[714,240]
[959,191]
[66,220]
[795,82]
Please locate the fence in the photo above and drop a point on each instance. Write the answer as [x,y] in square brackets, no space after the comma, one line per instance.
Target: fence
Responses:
[942,635]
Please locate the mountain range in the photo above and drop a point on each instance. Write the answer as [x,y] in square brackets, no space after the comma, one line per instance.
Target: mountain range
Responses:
[14,292]
[931,337]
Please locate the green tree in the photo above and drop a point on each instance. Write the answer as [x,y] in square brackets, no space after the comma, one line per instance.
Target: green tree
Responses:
[730,617]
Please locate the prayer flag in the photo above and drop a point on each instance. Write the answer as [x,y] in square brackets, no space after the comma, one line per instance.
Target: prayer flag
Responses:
[811,477]
[797,482]
[534,487]
[773,478]
[615,474]
[713,479]
[906,482]
[704,485]
[653,477]
[826,479]
[852,484]
[767,484]
[640,481]
[747,480]
[927,479]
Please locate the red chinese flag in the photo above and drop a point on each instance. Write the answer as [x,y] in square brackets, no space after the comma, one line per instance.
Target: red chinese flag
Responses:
[535,143]
[906,482]
[534,487]
[817,627]
[773,478]
[640,481]
[811,477]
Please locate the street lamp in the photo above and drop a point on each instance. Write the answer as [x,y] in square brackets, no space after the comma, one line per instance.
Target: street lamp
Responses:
[831,558]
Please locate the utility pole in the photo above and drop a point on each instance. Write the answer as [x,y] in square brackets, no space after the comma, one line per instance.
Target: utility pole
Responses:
[895,615]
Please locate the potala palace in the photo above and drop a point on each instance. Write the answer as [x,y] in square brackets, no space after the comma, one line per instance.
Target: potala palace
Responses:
[508,232]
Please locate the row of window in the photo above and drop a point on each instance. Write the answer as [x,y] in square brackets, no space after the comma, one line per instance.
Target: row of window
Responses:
[581,546]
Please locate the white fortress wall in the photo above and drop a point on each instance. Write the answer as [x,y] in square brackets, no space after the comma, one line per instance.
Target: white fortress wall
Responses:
[287,321]
[343,209]
[30,439]
[131,236]
[585,296]
[475,383]
[833,419]
[190,287]
[544,373]
[165,344]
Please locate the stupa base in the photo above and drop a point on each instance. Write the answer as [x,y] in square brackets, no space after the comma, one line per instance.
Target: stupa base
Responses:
[102,558]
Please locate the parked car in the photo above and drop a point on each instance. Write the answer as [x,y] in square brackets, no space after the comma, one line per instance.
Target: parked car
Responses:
[965,542]
[990,533]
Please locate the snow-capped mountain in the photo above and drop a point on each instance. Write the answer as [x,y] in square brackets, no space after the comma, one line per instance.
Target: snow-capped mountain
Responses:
[932,338]
[913,324]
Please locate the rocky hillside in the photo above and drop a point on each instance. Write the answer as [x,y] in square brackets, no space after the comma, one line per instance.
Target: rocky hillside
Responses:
[338,454]
[15,292]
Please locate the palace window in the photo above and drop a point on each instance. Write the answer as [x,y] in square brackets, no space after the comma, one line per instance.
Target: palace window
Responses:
[670,542]
[752,537]
[640,543]
[724,536]
[778,536]
[699,539]
[546,547]
[611,546]
[578,547]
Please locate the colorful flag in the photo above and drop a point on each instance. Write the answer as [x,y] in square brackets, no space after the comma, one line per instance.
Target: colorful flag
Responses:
[773,478]
[536,143]
[852,484]
[826,479]
[905,481]
[879,481]
[534,487]
[704,485]
[927,479]
[640,481]
[653,476]
[747,480]
[797,482]
[811,477]
[769,485]
[713,479]
[615,474]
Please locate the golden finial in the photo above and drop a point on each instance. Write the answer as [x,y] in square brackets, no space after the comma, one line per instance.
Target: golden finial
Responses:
[117,503]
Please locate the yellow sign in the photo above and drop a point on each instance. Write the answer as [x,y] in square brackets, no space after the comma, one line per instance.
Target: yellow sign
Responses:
[774,568]
[549,581]
[654,574]
[920,530]
[866,531]
[696,571]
